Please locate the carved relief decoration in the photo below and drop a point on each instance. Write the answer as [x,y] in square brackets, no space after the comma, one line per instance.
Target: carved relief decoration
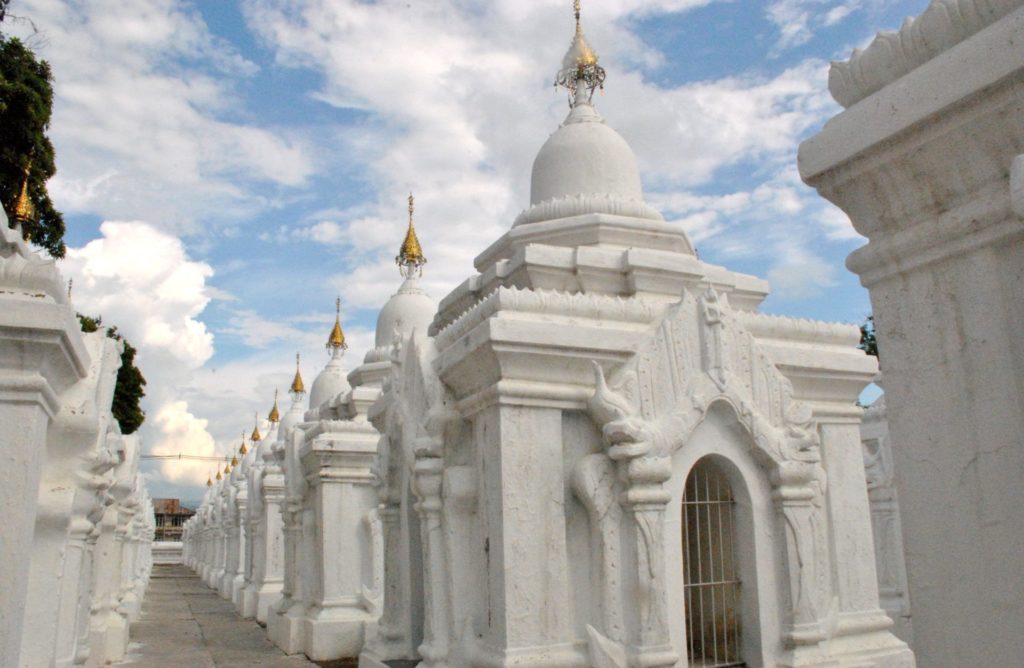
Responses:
[700,356]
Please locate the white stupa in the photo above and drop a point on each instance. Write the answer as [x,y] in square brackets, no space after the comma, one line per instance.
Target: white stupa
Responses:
[408,310]
[332,381]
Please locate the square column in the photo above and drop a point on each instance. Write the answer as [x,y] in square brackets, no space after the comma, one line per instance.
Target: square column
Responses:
[519,450]
[340,495]
[927,162]
[41,354]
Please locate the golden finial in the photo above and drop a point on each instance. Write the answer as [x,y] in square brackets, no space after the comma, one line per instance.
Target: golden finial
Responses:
[219,476]
[234,461]
[243,450]
[336,341]
[227,468]
[255,432]
[410,258]
[297,386]
[275,415]
[209,481]
[24,211]
[580,73]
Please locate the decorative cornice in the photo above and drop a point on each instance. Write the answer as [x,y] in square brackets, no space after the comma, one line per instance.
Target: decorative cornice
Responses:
[553,302]
[892,55]
[764,326]
[578,205]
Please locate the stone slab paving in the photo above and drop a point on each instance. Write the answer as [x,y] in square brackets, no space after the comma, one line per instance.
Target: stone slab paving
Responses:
[185,624]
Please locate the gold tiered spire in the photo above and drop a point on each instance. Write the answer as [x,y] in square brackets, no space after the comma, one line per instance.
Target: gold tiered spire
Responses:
[336,341]
[275,415]
[410,258]
[209,481]
[243,450]
[297,385]
[580,72]
[256,428]
[24,211]
[219,476]
[227,468]
[234,461]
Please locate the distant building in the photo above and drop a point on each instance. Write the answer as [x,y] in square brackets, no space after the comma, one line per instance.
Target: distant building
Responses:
[170,517]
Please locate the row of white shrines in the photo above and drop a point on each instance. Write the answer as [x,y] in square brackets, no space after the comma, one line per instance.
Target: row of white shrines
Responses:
[77,519]
[594,452]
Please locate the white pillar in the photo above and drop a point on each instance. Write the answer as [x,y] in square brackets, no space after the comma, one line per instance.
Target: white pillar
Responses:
[41,354]
[926,161]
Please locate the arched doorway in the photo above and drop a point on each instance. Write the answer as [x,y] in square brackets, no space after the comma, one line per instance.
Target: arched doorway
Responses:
[712,591]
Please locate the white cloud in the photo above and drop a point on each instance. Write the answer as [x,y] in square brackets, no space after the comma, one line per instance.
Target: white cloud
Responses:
[325,232]
[799,274]
[796,20]
[183,433]
[141,280]
[143,91]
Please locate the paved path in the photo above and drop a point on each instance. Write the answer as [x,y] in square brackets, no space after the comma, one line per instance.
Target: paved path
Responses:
[185,624]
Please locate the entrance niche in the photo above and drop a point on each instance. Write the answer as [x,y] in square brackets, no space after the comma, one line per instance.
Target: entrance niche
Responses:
[712,587]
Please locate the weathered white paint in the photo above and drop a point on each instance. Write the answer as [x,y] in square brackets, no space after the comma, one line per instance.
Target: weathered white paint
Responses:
[925,162]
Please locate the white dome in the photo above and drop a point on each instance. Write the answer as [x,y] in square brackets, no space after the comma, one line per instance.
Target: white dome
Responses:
[329,383]
[585,157]
[585,167]
[291,418]
[409,309]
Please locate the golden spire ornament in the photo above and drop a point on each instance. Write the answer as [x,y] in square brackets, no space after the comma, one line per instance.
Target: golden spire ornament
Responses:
[336,341]
[209,481]
[580,73]
[227,468]
[243,450]
[297,385]
[219,476]
[275,415]
[234,461]
[256,436]
[410,258]
[24,211]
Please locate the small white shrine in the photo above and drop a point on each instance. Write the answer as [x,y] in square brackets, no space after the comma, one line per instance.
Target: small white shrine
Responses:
[602,454]
[597,452]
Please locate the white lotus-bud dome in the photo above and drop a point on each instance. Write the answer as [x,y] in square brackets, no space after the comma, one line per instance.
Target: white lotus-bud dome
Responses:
[408,309]
[292,417]
[331,382]
[585,167]
[585,157]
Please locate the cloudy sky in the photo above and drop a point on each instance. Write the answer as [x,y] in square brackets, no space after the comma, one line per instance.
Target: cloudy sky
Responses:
[227,167]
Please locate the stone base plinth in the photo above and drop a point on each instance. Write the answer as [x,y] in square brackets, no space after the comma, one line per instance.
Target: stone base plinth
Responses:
[334,633]
[285,629]
[266,597]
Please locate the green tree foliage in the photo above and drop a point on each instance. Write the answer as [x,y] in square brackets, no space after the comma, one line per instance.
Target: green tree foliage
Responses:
[128,391]
[868,343]
[26,101]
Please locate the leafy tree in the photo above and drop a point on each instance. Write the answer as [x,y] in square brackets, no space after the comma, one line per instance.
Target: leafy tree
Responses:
[128,390]
[868,343]
[26,102]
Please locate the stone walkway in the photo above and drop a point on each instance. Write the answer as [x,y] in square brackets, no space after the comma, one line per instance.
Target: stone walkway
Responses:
[185,624]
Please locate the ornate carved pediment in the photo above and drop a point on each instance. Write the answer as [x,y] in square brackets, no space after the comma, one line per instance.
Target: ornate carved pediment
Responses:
[700,354]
